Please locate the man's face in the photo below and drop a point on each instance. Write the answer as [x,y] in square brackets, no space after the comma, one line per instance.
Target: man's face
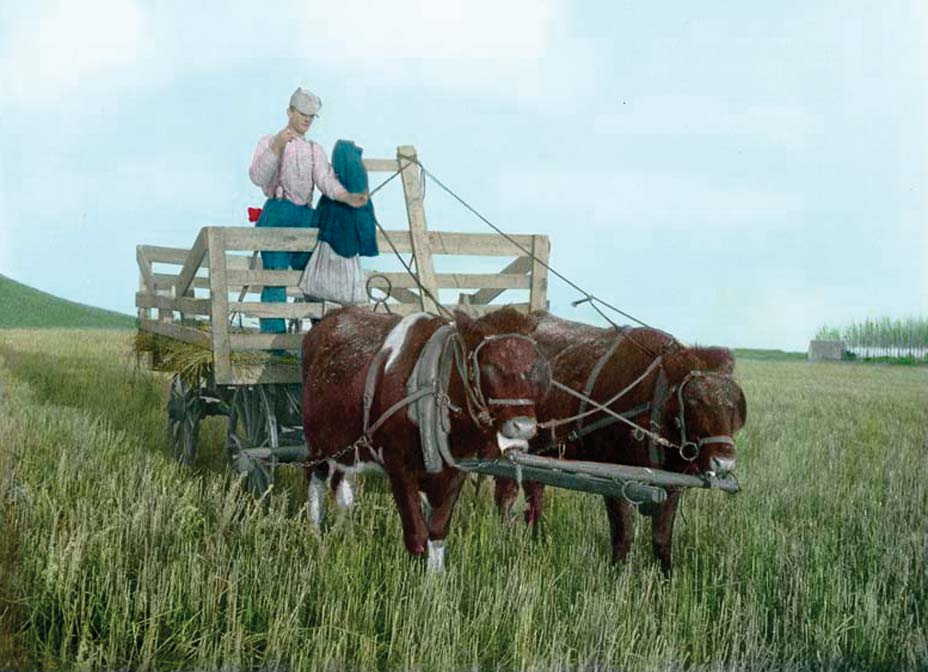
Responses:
[300,122]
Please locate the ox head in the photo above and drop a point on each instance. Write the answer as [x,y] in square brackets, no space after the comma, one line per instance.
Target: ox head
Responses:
[507,374]
[707,409]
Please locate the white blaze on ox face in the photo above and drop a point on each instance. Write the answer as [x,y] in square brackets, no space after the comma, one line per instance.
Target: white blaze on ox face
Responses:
[396,339]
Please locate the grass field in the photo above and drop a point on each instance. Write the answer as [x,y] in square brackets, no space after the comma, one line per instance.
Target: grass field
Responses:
[113,557]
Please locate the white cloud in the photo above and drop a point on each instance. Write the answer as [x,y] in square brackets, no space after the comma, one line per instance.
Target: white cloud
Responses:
[55,48]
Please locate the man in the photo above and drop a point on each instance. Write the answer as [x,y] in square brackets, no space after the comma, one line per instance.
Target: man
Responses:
[288,167]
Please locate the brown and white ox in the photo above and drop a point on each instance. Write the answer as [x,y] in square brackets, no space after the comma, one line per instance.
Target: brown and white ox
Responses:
[601,363]
[497,376]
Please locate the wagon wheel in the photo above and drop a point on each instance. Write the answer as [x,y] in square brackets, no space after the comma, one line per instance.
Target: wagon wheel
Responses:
[184,413]
[252,421]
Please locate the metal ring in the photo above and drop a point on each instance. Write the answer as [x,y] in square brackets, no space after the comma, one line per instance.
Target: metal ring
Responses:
[369,288]
[685,455]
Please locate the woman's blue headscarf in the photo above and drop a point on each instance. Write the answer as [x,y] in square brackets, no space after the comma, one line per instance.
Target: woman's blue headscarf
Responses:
[349,231]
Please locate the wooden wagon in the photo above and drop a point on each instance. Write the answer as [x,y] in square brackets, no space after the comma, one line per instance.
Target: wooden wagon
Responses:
[208,296]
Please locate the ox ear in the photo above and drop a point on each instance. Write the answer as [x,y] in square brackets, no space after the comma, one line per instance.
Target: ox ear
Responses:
[719,360]
[472,331]
[742,408]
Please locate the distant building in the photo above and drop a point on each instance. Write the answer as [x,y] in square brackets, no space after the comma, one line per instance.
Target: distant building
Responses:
[824,350]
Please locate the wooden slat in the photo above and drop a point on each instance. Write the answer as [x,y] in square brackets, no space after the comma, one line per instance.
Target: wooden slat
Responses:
[184,304]
[266,373]
[164,255]
[176,331]
[464,280]
[539,294]
[520,265]
[407,308]
[192,264]
[169,281]
[477,244]
[381,165]
[270,278]
[285,239]
[219,295]
[286,310]
[244,342]
[145,269]
[418,229]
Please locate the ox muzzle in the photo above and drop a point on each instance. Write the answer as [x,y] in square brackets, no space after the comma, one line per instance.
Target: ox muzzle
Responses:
[516,433]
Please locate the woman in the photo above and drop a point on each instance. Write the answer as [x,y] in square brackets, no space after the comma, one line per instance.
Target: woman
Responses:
[288,167]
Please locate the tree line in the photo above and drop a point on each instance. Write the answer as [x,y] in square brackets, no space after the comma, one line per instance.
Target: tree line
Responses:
[881,337]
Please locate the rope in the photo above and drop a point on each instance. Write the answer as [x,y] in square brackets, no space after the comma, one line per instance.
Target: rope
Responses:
[587,296]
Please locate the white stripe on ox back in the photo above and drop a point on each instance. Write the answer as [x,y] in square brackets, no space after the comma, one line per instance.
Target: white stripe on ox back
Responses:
[396,339]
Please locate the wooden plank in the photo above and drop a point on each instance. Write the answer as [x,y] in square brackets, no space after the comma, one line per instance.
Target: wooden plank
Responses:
[286,310]
[266,373]
[520,265]
[176,331]
[145,269]
[168,281]
[463,280]
[381,165]
[285,239]
[472,310]
[192,264]
[256,341]
[539,294]
[418,229]
[183,304]
[270,278]
[219,296]
[477,244]
[164,255]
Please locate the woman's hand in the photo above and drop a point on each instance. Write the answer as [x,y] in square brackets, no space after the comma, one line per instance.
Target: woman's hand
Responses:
[355,200]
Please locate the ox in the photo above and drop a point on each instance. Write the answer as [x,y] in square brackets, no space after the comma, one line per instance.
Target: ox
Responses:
[687,395]
[411,396]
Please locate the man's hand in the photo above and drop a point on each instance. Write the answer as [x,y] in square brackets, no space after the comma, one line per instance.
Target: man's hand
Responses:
[356,200]
[279,141]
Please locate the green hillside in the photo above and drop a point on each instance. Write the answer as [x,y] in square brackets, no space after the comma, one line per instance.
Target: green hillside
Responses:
[28,308]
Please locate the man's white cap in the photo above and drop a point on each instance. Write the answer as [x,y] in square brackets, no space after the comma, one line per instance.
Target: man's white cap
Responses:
[305,101]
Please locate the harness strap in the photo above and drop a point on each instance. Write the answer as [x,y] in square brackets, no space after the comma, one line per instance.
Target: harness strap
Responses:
[594,374]
[655,450]
[596,425]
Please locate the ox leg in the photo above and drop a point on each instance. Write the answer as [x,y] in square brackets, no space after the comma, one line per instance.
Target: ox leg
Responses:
[315,496]
[621,524]
[505,494]
[443,495]
[534,495]
[344,495]
[415,531]
[662,529]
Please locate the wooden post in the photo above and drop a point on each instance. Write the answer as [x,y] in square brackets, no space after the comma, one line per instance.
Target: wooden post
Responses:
[219,304]
[412,189]
[541,249]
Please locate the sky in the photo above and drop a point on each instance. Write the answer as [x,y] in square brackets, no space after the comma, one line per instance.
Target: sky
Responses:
[734,173]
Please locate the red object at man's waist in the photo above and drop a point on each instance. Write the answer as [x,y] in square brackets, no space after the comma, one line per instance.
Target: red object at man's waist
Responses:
[254,214]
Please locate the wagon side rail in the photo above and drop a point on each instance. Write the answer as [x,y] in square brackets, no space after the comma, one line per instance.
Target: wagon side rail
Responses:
[181,291]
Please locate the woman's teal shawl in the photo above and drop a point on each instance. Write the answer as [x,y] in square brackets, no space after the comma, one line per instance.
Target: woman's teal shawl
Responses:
[349,231]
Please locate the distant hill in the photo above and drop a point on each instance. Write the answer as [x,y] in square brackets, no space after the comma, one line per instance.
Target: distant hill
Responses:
[28,308]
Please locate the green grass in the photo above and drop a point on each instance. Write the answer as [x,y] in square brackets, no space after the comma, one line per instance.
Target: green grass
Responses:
[769,355]
[28,308]
[118,558]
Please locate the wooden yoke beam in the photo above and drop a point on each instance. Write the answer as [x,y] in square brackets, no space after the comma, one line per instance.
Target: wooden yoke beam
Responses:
[422,252]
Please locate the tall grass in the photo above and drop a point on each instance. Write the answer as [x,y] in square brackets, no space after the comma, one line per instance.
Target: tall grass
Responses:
[124,559]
